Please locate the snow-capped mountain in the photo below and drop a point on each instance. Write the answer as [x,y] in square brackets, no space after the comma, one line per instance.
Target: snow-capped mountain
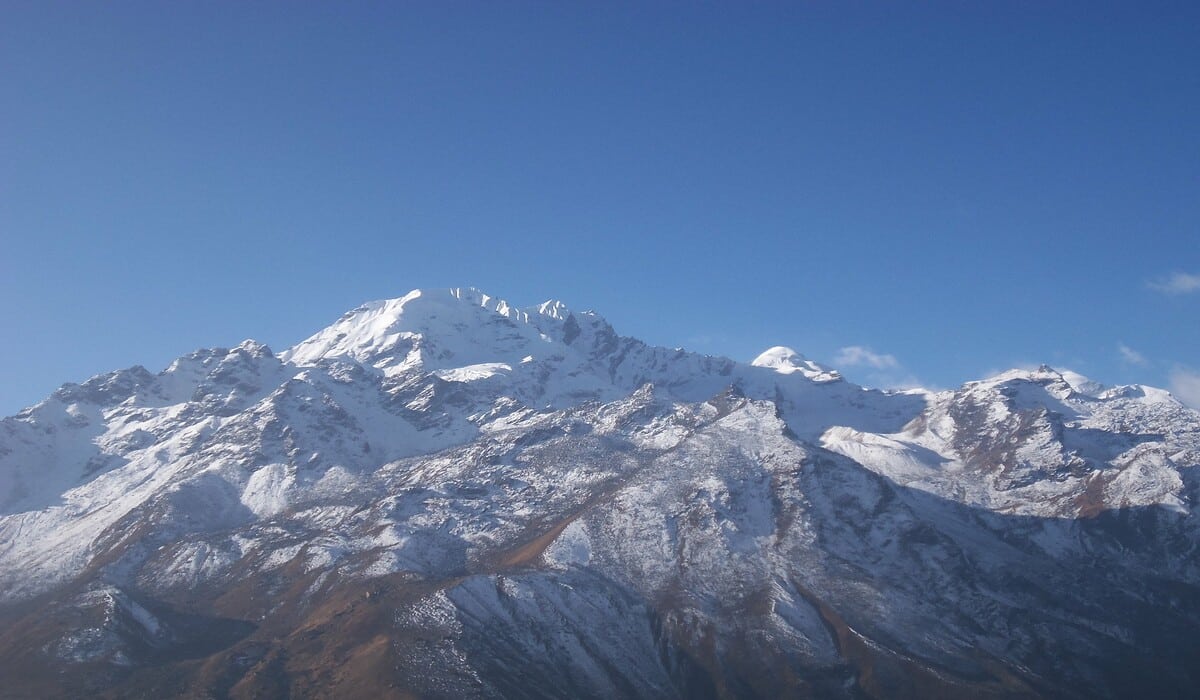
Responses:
[442,495]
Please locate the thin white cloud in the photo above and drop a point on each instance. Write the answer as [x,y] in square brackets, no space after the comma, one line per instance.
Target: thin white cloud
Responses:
[1177,283]
[1185,385]
[881,370]
[857,355]
[903,382]
[1131,356]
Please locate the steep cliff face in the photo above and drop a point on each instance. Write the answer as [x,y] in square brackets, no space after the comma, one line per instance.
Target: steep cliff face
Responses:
[444,496]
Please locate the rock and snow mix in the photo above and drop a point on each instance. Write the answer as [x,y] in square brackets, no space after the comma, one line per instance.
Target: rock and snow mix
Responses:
[547,479]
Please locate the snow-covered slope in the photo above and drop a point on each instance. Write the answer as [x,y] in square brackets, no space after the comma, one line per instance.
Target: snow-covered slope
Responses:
[444,494]
[1043,443]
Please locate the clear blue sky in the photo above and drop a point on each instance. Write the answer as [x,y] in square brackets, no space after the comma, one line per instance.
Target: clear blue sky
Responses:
[963,187]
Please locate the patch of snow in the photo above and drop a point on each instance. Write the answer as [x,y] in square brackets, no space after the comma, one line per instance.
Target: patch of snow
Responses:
[572,546]
[472,373]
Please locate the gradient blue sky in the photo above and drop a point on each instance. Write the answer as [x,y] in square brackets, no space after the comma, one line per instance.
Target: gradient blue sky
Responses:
[959,187]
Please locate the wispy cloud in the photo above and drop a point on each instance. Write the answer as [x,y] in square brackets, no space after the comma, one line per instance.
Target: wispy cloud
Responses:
[902,382]
[858,356]
[1176,283]
[1185,385]
[881,370]
[1131,356]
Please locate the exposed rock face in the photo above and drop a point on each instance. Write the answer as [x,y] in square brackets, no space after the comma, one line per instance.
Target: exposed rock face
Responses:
[443,496]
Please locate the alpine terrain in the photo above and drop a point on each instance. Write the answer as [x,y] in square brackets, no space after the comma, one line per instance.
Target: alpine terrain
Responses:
[444,496]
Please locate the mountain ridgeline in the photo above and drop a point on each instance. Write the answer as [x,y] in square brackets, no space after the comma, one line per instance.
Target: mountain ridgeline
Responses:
[444,496]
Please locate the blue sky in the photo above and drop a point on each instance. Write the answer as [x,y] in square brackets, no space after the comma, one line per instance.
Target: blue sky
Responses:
[913,194]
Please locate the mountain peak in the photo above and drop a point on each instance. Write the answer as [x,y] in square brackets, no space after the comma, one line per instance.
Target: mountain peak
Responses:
[554,309]
[779,358]
[392,333]
[785,360]
[254,348]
